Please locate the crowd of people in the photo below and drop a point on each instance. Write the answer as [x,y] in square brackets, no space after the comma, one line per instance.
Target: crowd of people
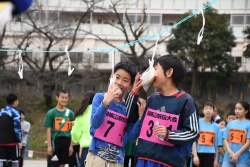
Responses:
[117,128]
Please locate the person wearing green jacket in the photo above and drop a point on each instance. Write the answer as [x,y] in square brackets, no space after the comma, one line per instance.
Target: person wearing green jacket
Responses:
[81,129]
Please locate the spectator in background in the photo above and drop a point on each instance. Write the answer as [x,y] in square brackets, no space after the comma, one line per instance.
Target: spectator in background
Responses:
[58,122]
[216,114]
[25,127]
[81,129]
[10,133]
[231,116]
[129,160]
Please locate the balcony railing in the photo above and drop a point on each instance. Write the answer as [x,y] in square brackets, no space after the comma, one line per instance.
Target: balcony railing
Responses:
[98,29]
[152,4]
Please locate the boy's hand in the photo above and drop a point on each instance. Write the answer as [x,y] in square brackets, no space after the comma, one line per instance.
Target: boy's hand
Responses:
[161,131]
[50,150]
[141,107]
[137,84]
[196,160]
[70,150]
[20,145]
[110,95]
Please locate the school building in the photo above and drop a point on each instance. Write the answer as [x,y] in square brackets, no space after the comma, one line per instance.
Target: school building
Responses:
[161,14]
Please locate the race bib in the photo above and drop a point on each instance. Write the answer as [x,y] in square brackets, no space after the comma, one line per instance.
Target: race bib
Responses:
[170,121]
[206,138]
[237,136]
[66,127]
[113,128]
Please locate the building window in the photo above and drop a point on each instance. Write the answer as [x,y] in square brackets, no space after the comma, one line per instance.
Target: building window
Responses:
[130,19]
[237,20]
[155,19]
[248,19]
[43,16]
[168,23]
[237,60]
[29,56]
[149,19]
[32,14]
[140,18]
[76,57]
[86,58]
[101,58]
[52,16]
[125,57]
[99,21]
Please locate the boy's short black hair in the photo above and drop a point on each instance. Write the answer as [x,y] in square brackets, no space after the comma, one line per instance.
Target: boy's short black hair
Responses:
[60,91]
[128,66]
[231,113]
[21,112]
[174,62]
[11,98]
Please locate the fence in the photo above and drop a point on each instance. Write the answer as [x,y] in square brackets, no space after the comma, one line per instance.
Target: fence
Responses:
[234,89]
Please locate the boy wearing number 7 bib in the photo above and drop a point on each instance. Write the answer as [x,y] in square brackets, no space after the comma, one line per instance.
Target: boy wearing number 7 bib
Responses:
[109,126]
[237,138]
[170,120]
[205,150]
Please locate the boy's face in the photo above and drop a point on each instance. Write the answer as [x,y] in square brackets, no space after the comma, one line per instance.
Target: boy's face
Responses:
[15,104]
[160,78]
[123,80]
[62,99]
[22,116]
[215,113]
[231,118]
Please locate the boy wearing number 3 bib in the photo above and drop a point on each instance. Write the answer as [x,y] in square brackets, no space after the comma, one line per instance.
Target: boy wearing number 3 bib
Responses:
[237,138]
[205,150]
[170,120]
[109,126]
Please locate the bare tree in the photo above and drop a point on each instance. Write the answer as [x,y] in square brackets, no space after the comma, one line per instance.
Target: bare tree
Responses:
[131,29]
[53,33]
[3,55]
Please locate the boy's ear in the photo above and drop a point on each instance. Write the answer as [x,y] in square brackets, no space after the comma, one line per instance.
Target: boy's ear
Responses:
[169,72]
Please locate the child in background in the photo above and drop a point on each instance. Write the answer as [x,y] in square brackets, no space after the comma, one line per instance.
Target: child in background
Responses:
[109,126]
[58,122]
[25,127]
[81,129]
[129,160]
[222,124]
[231,116]
[170,121]
[205,151]
[237,138]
